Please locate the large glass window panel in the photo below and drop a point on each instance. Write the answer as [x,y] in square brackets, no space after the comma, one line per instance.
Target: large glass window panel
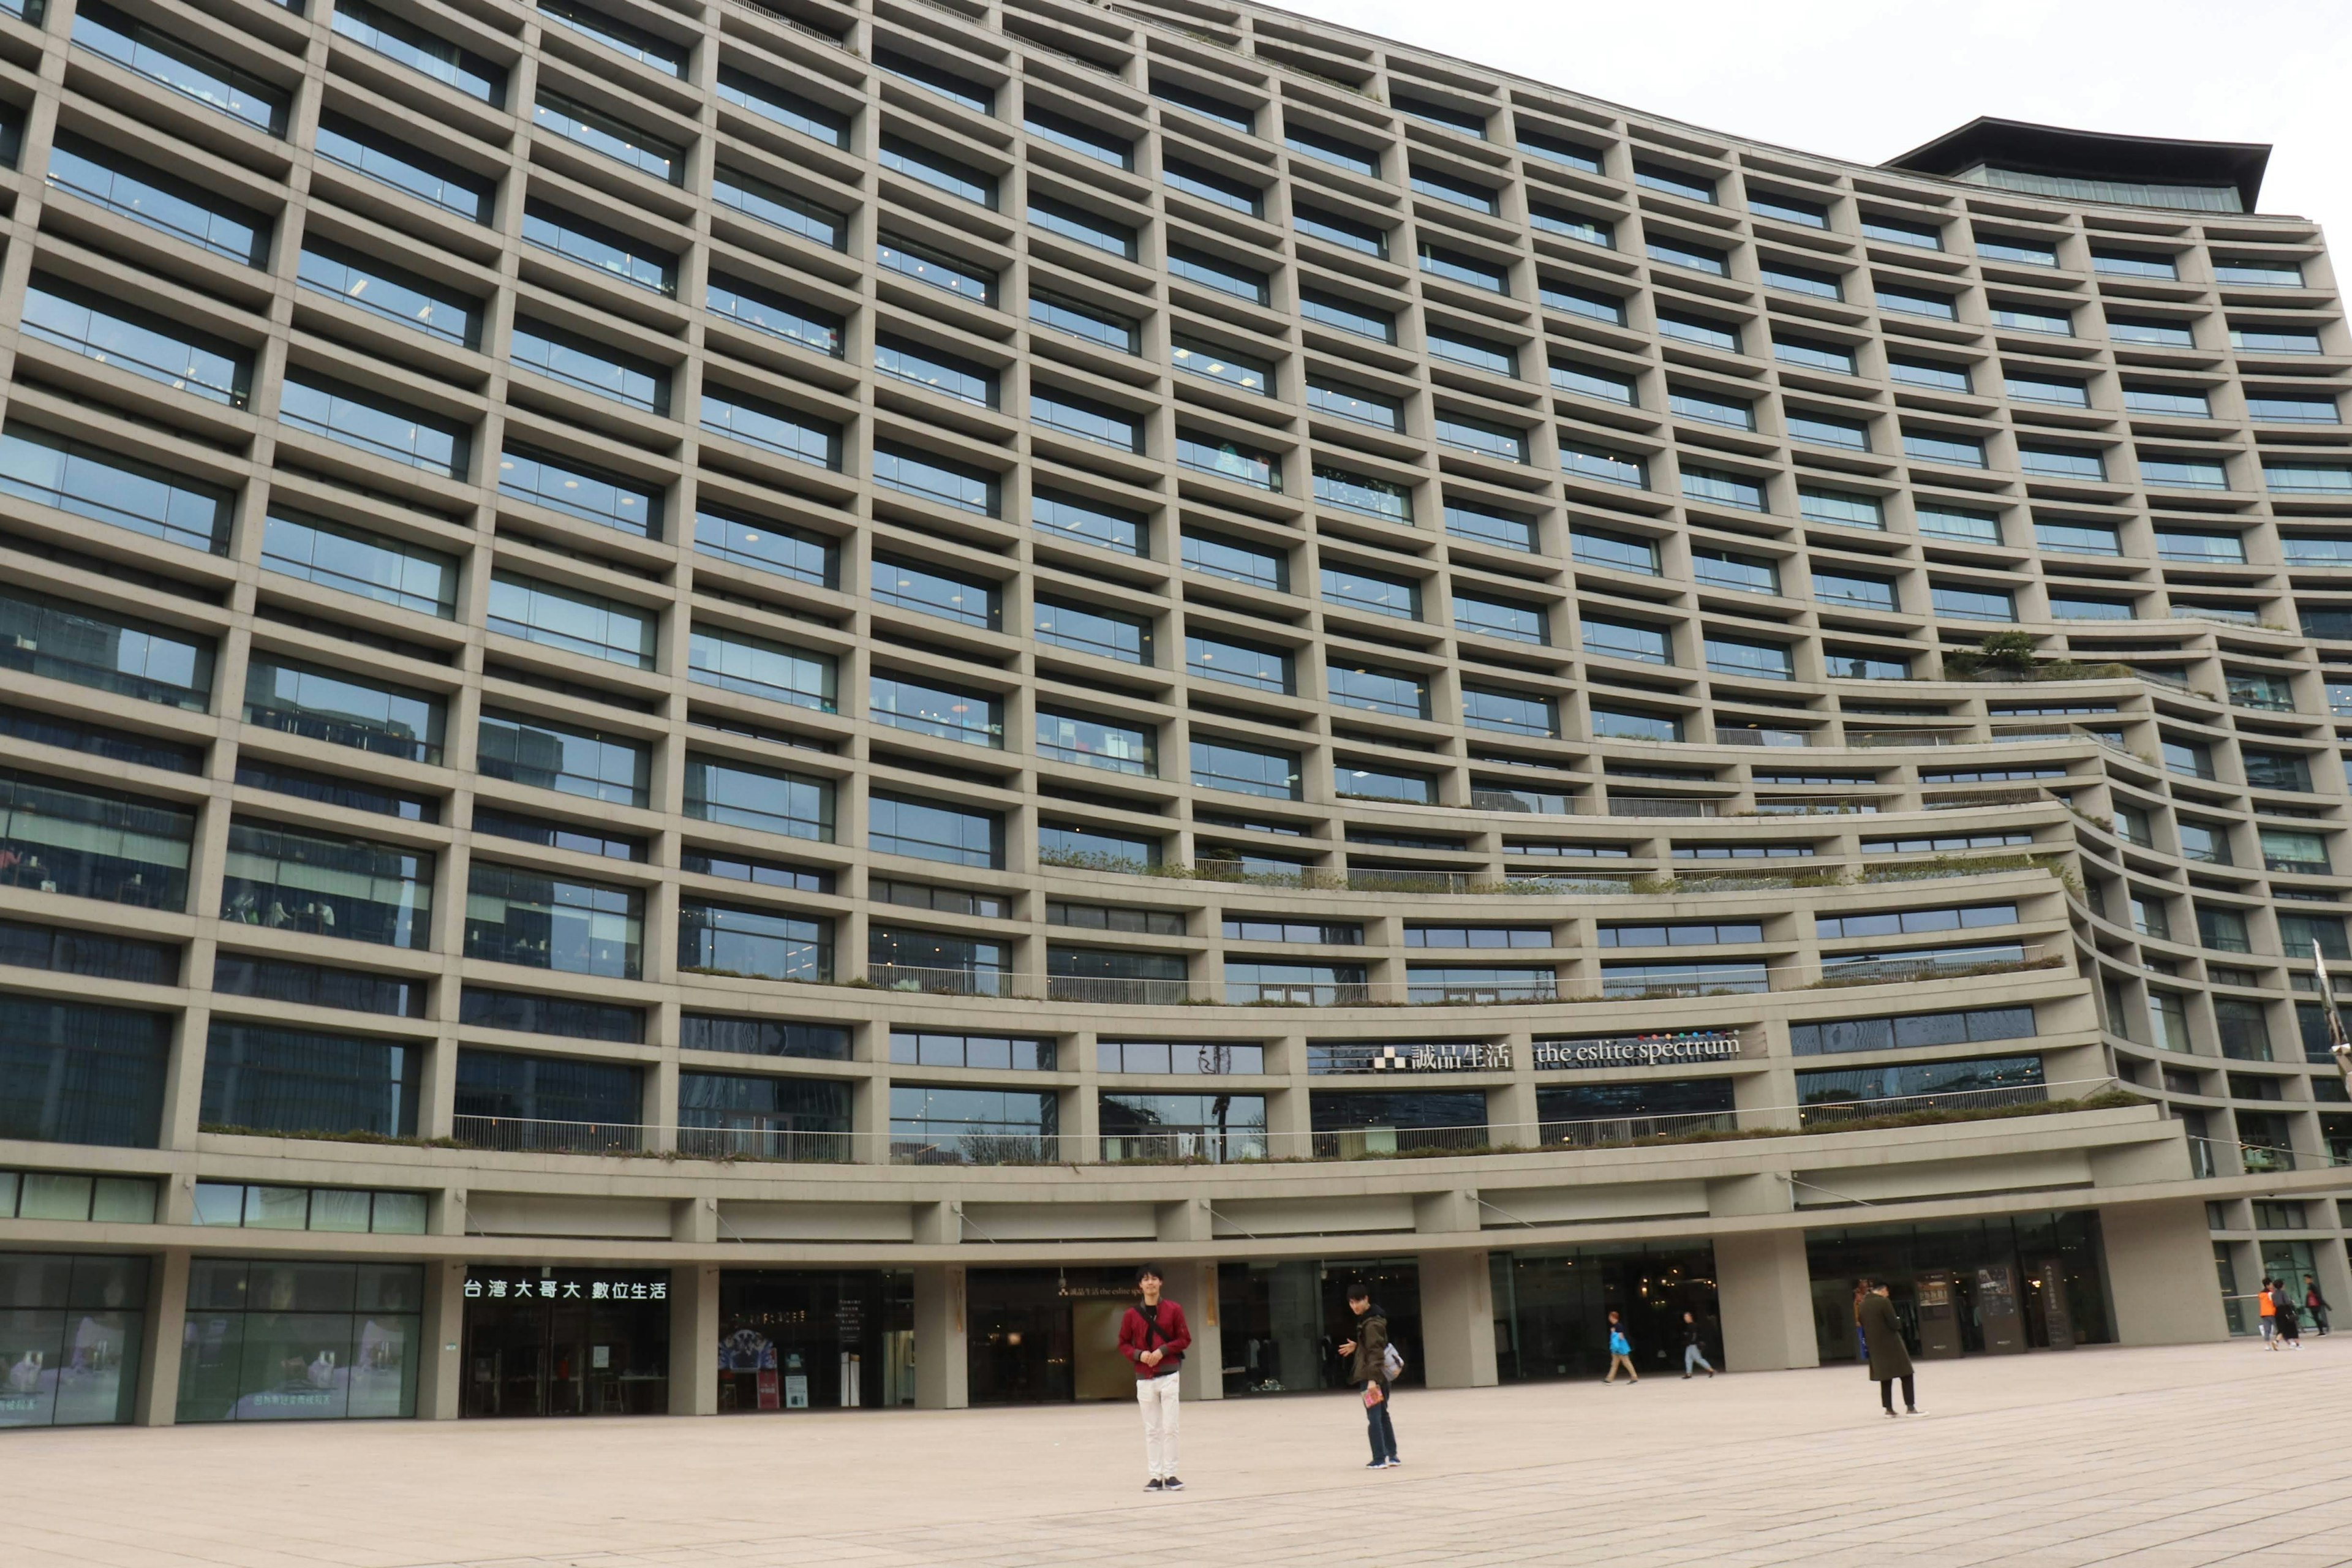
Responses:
[87,843]
[775,547]
[515,916]
[388,292]
[615,138]
[784,106]
[929,830]
[1390,691]
[152,52]
[764,310]
[1370,591]
[75,1073]
[544,755]
[1127,638]
[957,277]
[1096,523]
[1096,743]
[757,667]
[975,718]
[577,362]
[716,938]
[592,244]
[137,342]
[396,39]
[282,879]
[1096,325]
[1510,711]
[949,484]
[1245,770]
[341,709]
[279,1080]
[371,151]
[593,494]
[163,202]
[378,427]
[663,54]
[60,640]
[88,482]
[770,204]
[1238,664]
[576,623]
[741,795]
[1501,618]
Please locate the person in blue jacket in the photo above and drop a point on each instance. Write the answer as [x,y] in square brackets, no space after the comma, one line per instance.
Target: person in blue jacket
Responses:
[1621,1351]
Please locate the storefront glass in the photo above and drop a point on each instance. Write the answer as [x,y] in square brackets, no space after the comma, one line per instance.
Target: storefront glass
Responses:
[69,1333]
[1551,1308]
[1043,1335]
[566,1341]
[1283,1323]
[2012,1280]
[299,1342]
[804,1339]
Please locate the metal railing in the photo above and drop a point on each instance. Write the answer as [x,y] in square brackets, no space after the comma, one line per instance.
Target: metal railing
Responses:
[936,981]
[522,1135]
[1118,991]
[750,1140]
[1663,806]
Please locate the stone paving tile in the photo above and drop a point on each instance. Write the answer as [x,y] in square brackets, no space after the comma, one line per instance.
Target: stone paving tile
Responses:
[2099,1459]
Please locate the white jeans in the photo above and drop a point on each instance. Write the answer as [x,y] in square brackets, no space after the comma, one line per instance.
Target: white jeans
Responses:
[1157,1397]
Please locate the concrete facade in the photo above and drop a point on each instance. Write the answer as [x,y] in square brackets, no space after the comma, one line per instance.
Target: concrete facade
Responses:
[721,637]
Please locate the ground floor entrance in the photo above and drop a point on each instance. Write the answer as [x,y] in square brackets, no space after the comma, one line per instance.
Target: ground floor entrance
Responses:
[566,1341]
[1552,1307]
[2001,1285]
[816,1339]
[1283,1323]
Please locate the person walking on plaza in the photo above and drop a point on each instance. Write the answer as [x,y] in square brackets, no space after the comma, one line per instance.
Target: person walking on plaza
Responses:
[2266,1304]
[1861,1344]
[2289,1321]
[1154,1336]
[1369,1367]
[1621,1351]
[1693,1352]
[1888,1360]
[2316,1304]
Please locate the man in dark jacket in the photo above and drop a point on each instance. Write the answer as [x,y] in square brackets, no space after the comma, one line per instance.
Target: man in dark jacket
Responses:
[1888,1359]
[1369,1366]
[1154,1336]
[2316,1304]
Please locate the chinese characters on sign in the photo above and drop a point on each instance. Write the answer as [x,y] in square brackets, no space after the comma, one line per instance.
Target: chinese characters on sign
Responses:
[1638,1050]
[1426,1056]
[564,1285]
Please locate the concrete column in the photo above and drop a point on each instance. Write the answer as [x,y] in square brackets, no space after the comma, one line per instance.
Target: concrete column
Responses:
[441,1348]
[942,1367]
[2160,1266]
[1194,1286]
[158,1400]
[694,1340]
[1765,1297]
[1457,1320]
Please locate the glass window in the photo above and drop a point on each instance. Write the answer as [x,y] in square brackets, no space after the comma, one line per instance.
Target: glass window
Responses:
[1935,447]
[1331,150]
[946,594]
[1721,487]
[1362,494]
[1332,310]
[929,266]
[2153,332]
[111,1060]
[61,640]
[1958,523]
[273,1078]
[1843,508]
[1083,419]
[1585,302]
[1347,235]
[956,90]
[1592,382]
[784,106]
[1610,467]
[1699,330]
[1971,603]
[1725,568]
[120,491]
[154,53]
[976,719]
[2187,403]
[1389,691]
[932,830]
[775,547]
[1096,743]
[594,495]
[1558,148]
[1468,121]
[615,138]
[2060,462]
[1238,664]
[1699,258]
[515,916]
[774,429]
[2077,537]
[766,799]
[749,305]
[378,427]
[1210,454]
[1245,770]
[368,151]
[1217,189]
[1812,354]
[576,623]
[135,342]
[1512,712]
[2023,319]
[1127,638]
[1214,272]
[1674,182]
[758,668]
[1370,591]
[133,190]
[1574,225]
[592,244]
[282,879]
[2043,389]
[272,1340]
[1801,280]
[388,292]
[1490,525]
[635,43]
[566,357]
[1077,136]
[1766,661]
[938,170]
[1910,302]
[341,709]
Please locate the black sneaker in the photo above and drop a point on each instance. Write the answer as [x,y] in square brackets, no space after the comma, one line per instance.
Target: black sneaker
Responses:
[1155,1485]
[1172,1485]
[1378,1465]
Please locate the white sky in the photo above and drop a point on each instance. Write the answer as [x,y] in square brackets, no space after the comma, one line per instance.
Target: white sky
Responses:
[1867,79]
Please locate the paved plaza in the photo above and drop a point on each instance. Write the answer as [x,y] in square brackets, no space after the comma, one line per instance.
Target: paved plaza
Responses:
[2161,1459]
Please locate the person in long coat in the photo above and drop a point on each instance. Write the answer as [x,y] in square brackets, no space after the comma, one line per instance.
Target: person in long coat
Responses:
[1888,1360]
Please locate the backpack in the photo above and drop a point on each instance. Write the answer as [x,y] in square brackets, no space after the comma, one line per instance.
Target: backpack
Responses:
[1392,1362]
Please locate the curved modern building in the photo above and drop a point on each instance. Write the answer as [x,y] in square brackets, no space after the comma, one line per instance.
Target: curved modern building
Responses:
[708,705]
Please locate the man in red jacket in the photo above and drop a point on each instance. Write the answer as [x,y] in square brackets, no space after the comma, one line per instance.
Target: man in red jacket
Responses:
[1154,1336]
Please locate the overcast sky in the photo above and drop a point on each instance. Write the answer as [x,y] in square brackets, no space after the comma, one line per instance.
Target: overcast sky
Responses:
[1867,79]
